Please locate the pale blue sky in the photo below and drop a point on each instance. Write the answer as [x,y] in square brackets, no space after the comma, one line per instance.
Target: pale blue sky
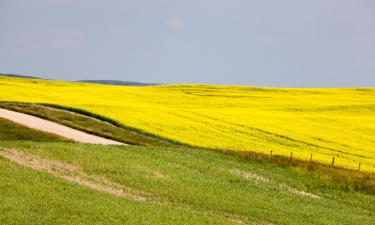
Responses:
[281,43]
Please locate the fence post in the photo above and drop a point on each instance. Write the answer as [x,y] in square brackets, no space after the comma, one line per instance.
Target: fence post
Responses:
[271,152]
[333,160]
[359,167]
[311,157]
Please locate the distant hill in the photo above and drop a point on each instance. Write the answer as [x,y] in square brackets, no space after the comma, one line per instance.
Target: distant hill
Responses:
[110,82]
[119,82]
[18,76]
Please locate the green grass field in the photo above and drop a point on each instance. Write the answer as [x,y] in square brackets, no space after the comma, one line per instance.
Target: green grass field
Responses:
[174,185]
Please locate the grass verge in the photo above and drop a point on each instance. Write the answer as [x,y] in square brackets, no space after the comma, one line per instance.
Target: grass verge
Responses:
[349,179]
[87,122]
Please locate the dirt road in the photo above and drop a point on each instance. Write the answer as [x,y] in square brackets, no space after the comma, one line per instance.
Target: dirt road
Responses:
[55,128]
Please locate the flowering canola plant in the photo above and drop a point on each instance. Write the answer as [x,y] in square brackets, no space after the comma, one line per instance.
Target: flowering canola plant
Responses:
[327,122]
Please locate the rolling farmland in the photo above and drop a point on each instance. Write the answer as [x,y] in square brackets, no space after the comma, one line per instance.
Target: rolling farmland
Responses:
[327,123]
[48,179]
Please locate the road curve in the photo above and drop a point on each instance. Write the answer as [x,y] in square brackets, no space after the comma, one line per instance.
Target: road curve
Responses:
[55,128]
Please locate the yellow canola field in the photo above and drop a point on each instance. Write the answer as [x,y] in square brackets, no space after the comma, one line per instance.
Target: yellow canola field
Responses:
[325,122]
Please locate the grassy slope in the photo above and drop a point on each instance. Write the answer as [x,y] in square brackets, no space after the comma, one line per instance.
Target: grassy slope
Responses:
[192,183]
[30,197]
[86,124]
[195,187]
[325,122]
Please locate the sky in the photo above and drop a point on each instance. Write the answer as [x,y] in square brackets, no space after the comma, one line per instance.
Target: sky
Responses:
[273,43]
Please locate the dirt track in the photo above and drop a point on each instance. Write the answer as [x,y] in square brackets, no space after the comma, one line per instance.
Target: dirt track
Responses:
[55,128]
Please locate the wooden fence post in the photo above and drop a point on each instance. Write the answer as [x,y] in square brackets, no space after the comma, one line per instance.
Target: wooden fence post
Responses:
[359,167]
[311,157]
[333,160]
[271,152]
